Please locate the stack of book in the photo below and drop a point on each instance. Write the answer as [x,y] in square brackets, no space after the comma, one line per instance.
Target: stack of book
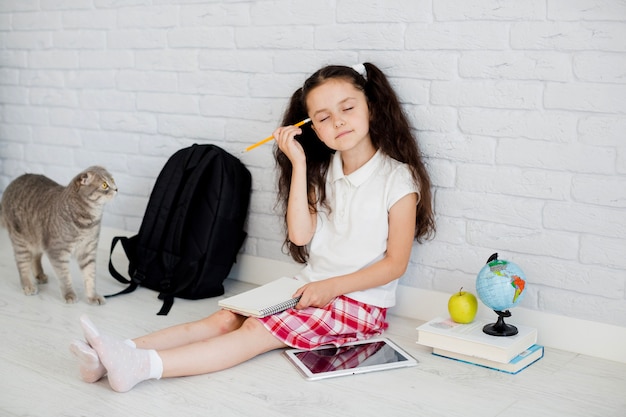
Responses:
[468,343]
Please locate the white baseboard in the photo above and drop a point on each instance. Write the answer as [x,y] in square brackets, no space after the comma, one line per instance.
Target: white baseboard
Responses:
[559,332]
[556,331]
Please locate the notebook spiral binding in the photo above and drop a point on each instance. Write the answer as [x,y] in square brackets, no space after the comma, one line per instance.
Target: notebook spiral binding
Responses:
[277,308]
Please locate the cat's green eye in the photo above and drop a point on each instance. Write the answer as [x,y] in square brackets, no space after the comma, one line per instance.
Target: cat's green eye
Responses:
[105,185]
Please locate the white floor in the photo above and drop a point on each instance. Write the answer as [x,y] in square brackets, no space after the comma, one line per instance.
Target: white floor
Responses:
[38,376]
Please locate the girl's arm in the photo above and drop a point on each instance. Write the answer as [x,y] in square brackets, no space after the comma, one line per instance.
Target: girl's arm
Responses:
[392,266]
[300,221]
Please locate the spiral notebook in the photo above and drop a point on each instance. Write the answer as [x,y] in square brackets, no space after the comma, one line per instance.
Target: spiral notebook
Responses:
[265,300]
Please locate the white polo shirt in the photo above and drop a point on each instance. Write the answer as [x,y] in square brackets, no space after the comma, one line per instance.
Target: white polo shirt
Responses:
[354,234]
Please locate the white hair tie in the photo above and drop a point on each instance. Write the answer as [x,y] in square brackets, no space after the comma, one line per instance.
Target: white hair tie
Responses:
[360,68]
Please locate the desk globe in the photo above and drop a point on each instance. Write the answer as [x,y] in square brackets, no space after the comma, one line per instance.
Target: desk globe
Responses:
[500,286]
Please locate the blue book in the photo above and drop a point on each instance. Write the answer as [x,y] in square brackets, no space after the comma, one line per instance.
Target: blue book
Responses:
[516,365]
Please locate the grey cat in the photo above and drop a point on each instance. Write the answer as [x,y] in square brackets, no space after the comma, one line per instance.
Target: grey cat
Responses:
[42,216]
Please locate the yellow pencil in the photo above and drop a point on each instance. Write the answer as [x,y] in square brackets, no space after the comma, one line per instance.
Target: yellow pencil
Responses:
[267,139]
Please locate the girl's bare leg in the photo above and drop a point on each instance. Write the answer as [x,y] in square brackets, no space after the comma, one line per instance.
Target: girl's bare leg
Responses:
[221,352]
[127,366]
[91,368]
[216,324]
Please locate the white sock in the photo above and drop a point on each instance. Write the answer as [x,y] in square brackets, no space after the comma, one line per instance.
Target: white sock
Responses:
[89,365]
[126,366]
[156,365]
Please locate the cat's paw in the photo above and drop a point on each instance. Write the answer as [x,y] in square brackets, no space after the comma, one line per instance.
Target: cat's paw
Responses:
[70,297]
[42,278]
[96,300]
[30,289]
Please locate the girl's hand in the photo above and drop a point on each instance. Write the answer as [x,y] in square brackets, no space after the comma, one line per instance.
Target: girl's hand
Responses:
[315,294]
[285,138]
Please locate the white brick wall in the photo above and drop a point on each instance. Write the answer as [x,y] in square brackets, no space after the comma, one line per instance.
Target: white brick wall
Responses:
[520,109]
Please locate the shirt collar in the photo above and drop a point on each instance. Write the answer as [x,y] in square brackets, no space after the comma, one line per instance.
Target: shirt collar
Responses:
[359,176]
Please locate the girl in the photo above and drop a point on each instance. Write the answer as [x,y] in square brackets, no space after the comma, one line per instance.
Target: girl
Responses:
[355,194]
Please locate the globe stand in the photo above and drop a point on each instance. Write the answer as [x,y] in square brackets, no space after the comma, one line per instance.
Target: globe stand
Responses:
[500,328]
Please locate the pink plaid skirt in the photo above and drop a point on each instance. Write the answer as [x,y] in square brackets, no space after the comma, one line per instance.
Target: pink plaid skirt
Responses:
[342,321]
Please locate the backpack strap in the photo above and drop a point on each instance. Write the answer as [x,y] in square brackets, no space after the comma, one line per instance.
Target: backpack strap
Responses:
[112,269]
[168,302]
[198,166]
[157,217]
[201,158]
[126,243]
[142,248]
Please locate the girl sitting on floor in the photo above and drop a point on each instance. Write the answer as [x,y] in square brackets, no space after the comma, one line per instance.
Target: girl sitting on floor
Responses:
[355,195]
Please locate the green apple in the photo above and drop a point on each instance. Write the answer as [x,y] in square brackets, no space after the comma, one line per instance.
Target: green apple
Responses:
[462,307]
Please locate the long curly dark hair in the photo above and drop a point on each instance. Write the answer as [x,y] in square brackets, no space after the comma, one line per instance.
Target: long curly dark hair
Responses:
[389,131]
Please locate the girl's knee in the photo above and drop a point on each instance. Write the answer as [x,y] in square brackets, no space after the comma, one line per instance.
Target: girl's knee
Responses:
[252,324]
[263,336]
[227,321]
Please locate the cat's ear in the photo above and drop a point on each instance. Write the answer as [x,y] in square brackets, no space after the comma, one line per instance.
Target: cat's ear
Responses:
[85,178]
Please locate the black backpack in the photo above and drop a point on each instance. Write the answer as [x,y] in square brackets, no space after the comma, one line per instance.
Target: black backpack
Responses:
[192,229]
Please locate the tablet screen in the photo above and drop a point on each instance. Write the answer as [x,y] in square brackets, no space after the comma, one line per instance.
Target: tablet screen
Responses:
[349,359]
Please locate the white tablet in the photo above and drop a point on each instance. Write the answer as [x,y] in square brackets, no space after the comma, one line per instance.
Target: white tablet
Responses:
[352,358]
